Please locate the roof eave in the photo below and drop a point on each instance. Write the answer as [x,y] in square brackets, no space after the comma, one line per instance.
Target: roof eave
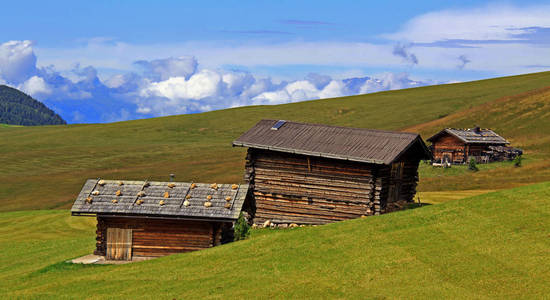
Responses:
[139,216]
[427,152]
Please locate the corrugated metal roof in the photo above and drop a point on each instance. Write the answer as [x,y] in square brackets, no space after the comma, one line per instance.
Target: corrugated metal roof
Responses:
[472,136]
[103,193]
[355,144]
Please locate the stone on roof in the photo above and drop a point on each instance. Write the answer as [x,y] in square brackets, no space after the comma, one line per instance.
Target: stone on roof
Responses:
[473,136]
[161,199]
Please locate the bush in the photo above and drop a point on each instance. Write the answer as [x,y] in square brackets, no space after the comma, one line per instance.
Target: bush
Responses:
[242,229]
[517,161]
[472,166]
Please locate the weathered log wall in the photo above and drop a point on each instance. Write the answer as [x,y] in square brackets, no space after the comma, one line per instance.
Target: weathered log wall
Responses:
[290,188]
[450,146]
[299,189]
[457,151]
[158,237]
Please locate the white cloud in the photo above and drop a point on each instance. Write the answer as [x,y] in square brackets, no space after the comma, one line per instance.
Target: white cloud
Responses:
[492,22]
[166,87]
[17,61]
[212,55]
[201,85]
[334,89]
[36,87]
[163,69]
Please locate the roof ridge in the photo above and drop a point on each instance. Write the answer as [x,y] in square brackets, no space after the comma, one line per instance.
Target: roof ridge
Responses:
[346,127]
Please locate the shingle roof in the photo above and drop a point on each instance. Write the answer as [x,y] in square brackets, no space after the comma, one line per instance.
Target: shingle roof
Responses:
[472,136]
[226,199]
[355,144]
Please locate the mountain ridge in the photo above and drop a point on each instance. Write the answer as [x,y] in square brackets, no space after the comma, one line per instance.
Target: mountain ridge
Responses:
[18,108]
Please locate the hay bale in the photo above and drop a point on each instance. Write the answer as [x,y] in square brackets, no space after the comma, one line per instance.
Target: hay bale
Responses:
[227,205]
[141,194]
[120,183]
[209,197]
[171,185]
[266,224]
[207,204]
[193,185]
[118,193]
[95,193]
[139,202]
[214,186]
[114,201]
[89,200]
[188,197]
[292,225]
[101,182]
[186,203]
[166,195]
[228,198]
[235,186]
[161,202]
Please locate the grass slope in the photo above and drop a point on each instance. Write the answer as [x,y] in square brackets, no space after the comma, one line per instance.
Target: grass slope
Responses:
[523,119]
[45,167]
[489,246]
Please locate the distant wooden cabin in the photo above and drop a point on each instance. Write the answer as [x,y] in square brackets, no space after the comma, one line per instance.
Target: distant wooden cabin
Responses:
[138,218]
[457,146]
[315,174]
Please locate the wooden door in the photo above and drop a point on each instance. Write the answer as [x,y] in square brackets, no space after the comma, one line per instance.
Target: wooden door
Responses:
[396,178]
[447,158]
[119,244]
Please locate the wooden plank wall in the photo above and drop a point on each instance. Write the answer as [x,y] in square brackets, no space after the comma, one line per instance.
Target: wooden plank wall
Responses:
[158,237]
[446,144]
[461,153]
[291,188]
[405,182]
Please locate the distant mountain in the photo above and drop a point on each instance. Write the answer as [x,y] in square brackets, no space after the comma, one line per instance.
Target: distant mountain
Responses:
[18,108]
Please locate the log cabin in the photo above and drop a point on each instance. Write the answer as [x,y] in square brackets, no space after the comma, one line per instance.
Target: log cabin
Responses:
[150,219]
[315,174]
[457,146]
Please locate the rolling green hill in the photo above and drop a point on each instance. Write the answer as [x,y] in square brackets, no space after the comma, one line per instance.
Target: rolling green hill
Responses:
[523,119]
[490,246]
[18,108]
[482,244]
[45,167]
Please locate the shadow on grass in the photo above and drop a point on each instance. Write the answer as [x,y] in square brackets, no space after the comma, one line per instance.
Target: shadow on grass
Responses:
[62,267]
[417,205]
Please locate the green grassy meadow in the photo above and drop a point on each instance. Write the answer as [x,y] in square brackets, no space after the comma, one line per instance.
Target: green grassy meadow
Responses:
[45,167]
[489,246]
[479,235]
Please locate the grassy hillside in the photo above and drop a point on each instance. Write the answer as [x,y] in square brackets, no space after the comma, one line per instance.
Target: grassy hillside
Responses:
[489,246]
[45,167]
[523,119]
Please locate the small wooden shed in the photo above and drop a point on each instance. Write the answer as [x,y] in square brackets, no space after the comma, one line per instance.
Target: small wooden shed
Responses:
[457,146]
[315,174]
[141,218]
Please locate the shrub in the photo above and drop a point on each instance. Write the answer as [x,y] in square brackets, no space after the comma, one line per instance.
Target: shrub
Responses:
[517,161]
[472,166]
[242,229]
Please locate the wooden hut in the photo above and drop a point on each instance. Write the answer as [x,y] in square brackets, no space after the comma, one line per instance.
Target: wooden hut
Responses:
[141,218]
[457,146]
[315,174]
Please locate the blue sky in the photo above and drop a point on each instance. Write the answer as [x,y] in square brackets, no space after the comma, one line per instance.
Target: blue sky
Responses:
[102,61]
